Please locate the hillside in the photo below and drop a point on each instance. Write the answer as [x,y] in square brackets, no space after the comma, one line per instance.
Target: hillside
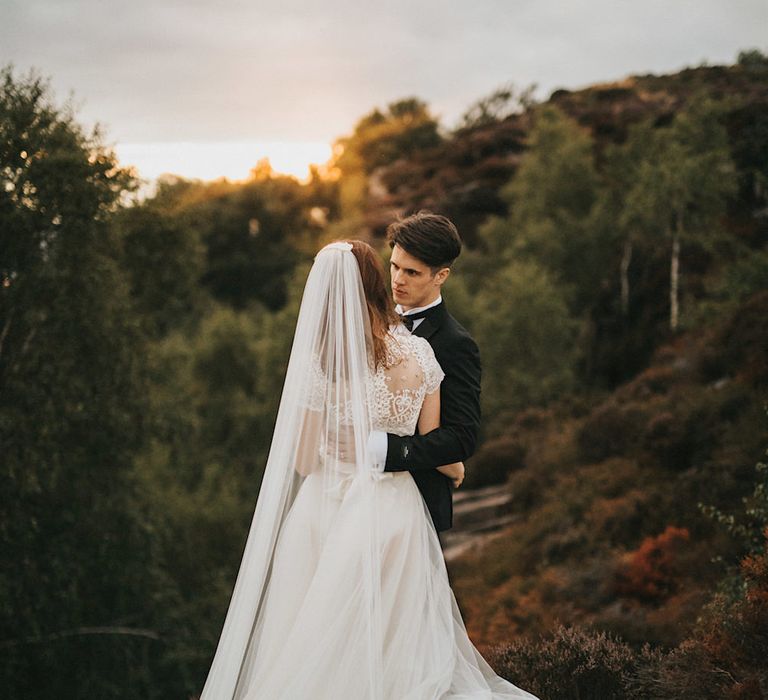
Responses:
[615,277]
[463,175]
[608,490]
[596,490]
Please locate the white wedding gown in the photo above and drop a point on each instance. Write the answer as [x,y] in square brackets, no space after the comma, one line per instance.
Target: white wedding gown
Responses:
[308,646]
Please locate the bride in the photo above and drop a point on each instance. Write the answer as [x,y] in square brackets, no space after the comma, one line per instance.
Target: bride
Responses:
[342,592]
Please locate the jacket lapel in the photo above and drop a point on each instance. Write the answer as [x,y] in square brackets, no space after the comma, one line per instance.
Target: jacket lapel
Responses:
[431,322]
[425,329]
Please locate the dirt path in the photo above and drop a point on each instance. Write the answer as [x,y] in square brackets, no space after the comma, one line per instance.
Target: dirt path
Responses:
[478,515]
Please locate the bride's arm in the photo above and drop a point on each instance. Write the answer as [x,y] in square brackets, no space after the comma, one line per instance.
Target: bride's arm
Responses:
[307,448]
[429,419]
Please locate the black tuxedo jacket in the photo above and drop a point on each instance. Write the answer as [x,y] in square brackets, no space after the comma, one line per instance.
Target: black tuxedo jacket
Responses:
[456,437]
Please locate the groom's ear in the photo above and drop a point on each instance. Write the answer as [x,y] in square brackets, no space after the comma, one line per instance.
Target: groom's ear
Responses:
[442,275]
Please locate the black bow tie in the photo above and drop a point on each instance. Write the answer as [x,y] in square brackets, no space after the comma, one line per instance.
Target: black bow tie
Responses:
[408,319]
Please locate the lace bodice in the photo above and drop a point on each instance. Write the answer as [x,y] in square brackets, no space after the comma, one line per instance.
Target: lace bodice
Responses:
[396,391]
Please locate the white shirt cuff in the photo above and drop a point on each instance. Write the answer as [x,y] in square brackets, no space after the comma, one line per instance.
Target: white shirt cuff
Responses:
[377,448]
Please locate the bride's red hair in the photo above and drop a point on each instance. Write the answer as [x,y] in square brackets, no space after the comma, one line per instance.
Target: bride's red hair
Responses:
[381,308]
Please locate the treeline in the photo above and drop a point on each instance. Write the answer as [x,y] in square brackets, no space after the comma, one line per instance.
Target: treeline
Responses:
[143,345]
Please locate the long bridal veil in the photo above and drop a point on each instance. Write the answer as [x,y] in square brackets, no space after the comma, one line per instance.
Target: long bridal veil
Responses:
[322,426]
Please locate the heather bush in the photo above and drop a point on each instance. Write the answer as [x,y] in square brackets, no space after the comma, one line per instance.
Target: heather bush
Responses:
[620,519]
[611,430]
[687,424]
[494,461]
[652,572]
[738,345]
[528,488]
[726,655]
[668,440]
[572,663]
[657,379]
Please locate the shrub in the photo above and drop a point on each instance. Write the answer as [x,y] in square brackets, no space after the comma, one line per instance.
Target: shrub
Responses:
[573,663]
[726,656]
[494,461]
[610,430]
[739,344]
[527,487]
[654,380]
[619,519]
[651,573]
[667,439]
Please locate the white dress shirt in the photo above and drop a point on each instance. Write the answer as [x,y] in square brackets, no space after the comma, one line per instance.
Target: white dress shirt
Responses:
[418,310]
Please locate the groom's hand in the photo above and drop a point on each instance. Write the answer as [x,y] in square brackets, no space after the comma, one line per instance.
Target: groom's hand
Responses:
[455,472]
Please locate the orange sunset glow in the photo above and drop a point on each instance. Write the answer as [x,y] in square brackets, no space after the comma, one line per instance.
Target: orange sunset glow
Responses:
[212,160]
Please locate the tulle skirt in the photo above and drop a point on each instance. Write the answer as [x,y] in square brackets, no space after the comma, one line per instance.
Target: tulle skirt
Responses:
[308,643]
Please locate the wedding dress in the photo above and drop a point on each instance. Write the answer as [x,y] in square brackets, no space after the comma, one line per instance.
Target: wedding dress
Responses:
[343,592]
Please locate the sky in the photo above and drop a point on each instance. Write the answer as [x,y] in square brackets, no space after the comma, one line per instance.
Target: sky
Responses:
[182,83]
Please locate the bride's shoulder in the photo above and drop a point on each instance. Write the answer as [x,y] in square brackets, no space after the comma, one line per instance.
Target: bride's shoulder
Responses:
[423,350]
[400,337]
[402,341]
[400,344]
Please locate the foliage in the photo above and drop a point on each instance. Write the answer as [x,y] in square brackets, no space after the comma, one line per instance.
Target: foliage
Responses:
[573,663]
[752,58]
[550,200]
[164,261]
[527,338]
[651,573]
[750,528]
[499,105]
[725,655]
[76,570]
[494,461]
[143,346]
[683,180]
[380,138]
[252,235]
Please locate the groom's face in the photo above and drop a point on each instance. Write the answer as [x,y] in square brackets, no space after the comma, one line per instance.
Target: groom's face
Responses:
[413,282]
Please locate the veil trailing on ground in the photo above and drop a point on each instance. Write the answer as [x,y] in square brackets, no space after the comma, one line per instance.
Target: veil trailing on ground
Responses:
[320,435]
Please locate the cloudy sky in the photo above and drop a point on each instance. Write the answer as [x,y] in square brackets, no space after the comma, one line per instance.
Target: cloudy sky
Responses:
[303,71]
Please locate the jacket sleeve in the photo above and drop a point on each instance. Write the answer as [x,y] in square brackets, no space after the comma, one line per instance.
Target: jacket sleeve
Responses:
[455,439]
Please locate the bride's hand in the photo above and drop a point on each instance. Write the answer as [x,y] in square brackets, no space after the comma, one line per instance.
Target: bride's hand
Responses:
[454,471]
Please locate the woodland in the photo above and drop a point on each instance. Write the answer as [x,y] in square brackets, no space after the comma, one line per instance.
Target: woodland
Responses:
[614,275]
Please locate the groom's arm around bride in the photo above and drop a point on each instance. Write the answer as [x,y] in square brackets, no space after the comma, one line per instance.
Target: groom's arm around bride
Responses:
[424,246]
[456,438]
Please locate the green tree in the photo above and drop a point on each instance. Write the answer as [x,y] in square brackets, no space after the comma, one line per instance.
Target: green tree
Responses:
[621,227]
[380,138]
[165,260]
[551,198]
[526,337]
[500,104]
[75,581]
[213,398]
[753,58]
[682,185]
[253,233]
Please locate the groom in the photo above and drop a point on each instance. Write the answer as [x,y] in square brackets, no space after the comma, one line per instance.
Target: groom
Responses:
[424,247]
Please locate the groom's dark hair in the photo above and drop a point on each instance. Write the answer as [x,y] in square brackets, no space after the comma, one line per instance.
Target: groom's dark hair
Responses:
[429,237]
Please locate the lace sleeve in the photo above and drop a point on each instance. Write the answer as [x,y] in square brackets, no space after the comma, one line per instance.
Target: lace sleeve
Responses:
[433,372]
[315,397]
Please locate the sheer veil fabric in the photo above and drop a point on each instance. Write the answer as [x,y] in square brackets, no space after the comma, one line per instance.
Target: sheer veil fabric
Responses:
[342,591]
